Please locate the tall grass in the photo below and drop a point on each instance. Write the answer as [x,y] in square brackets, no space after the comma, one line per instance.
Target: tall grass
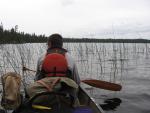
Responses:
[107,61]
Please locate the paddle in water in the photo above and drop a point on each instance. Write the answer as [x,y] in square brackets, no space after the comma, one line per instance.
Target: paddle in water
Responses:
[95,83]
[103,84]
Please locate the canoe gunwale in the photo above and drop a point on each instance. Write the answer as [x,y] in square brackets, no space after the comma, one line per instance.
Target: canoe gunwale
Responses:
[91,100]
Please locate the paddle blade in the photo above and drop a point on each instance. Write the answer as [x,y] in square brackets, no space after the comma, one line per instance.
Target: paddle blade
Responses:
[103,84]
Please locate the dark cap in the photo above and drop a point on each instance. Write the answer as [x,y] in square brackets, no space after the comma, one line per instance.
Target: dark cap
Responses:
[56,40]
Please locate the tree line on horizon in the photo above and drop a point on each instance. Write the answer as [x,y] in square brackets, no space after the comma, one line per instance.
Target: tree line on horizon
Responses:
[12,36]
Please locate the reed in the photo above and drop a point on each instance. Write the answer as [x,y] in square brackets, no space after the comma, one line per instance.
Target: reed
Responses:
[106,61]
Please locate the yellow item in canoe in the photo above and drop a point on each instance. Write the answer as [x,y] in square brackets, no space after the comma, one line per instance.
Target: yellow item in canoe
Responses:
[41,107]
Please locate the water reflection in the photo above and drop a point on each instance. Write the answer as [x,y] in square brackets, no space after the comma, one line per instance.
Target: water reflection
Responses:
[111,104]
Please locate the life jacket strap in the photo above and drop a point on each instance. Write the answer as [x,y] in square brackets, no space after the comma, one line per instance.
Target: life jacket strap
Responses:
[49,87]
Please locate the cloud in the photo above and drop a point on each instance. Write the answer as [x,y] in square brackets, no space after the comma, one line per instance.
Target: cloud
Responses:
[67,2]
[74,17]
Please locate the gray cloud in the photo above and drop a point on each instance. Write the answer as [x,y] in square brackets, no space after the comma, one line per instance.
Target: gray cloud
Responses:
[67,2]
[77,18]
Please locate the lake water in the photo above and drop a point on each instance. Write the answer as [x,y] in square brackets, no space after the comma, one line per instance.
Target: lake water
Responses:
[122,63]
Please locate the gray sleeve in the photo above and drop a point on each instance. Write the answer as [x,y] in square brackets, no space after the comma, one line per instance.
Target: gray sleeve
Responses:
[73,68]
[38,74]
[76,74]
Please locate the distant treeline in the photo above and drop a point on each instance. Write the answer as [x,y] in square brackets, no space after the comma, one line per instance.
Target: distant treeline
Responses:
[88,40]
[12,36]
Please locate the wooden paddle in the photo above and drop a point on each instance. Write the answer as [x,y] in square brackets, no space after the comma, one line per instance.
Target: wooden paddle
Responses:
[103,84]
[95,83]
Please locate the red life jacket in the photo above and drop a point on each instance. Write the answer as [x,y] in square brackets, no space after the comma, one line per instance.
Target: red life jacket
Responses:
[55,63]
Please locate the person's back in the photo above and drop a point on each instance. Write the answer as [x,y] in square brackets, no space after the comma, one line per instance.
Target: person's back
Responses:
[57,65]
[51,60]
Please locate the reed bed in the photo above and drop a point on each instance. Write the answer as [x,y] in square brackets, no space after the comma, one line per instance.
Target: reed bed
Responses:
[104,61]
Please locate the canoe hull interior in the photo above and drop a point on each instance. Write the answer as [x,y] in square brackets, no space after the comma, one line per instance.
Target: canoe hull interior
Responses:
[87,105]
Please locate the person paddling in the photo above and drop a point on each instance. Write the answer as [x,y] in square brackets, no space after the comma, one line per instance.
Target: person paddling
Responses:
[57,61]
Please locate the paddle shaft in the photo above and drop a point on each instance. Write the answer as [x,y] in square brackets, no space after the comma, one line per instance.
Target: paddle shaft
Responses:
[95,83]
[103,84]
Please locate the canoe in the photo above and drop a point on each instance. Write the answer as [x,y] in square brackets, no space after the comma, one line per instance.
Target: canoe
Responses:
[88,105]
[85,99]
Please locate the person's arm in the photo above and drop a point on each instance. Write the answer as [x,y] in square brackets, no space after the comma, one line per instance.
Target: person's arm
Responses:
[76,74]
[38,74]
[73,68]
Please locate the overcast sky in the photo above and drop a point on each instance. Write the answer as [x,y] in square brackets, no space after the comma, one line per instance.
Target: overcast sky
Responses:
[79,18]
